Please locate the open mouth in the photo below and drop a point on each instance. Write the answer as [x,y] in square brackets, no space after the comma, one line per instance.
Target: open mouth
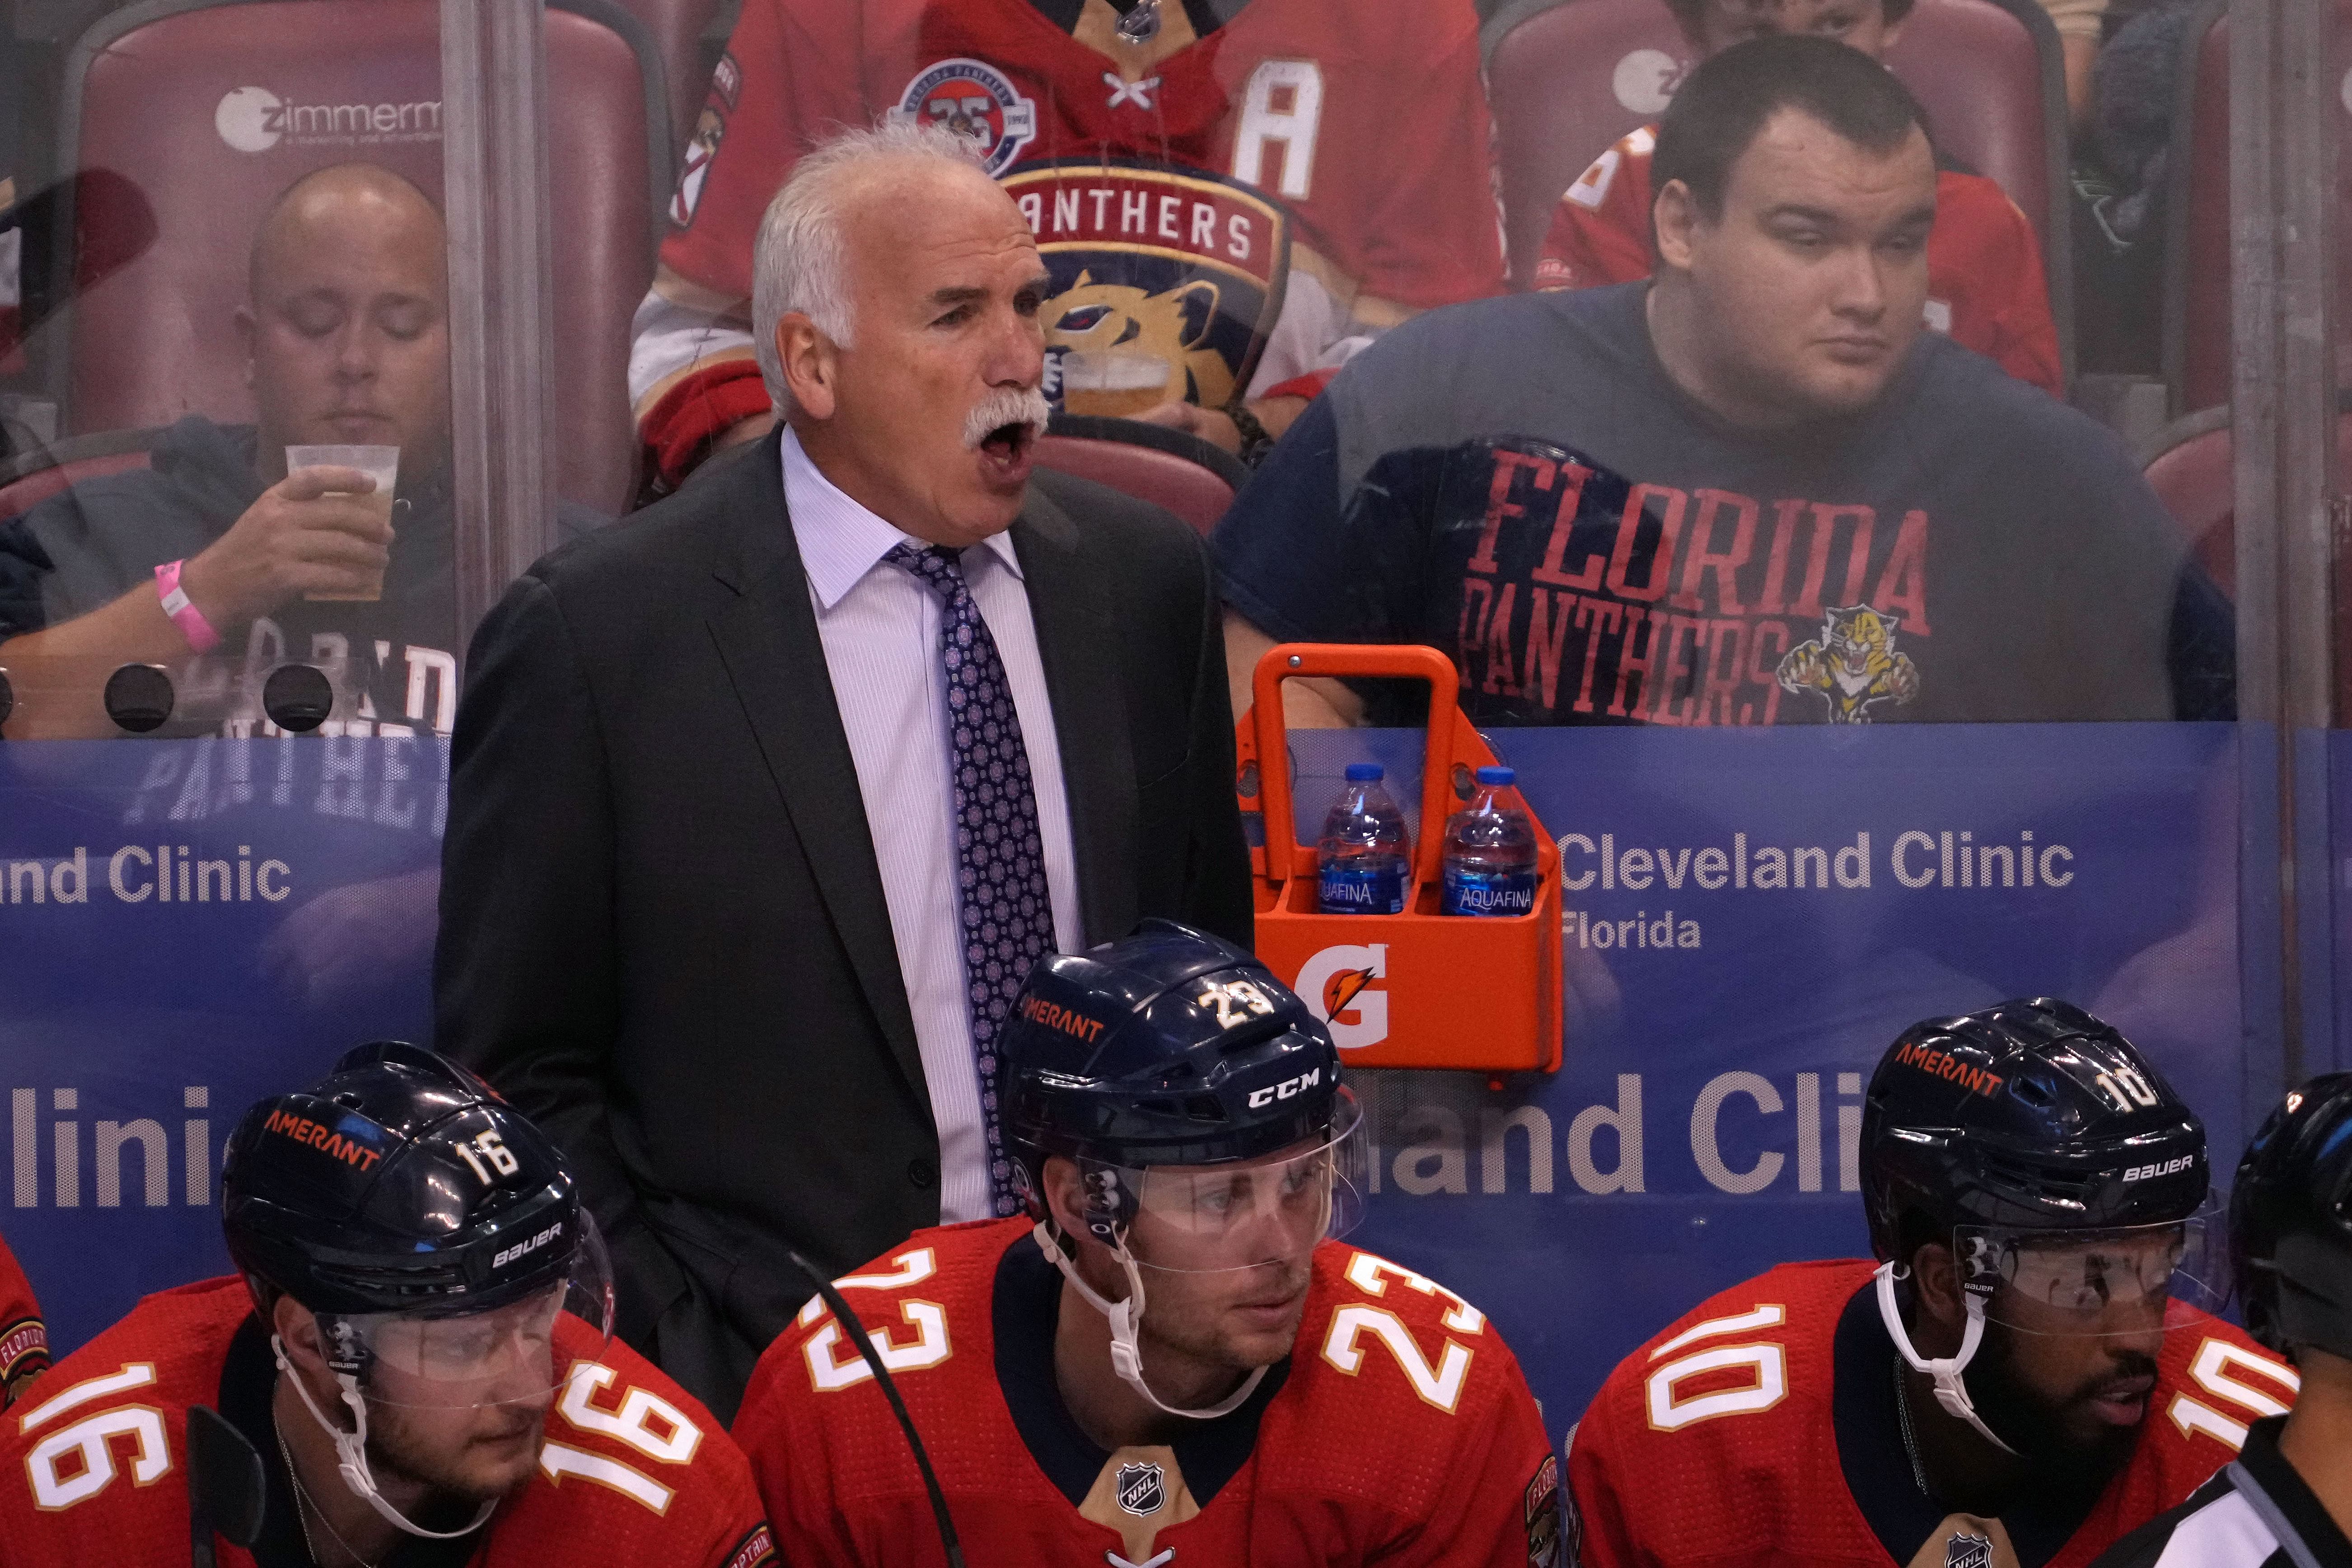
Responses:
[1005,451]
[2124,1401]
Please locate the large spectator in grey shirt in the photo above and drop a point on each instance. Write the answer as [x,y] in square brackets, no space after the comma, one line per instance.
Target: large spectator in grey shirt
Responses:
[1751,490]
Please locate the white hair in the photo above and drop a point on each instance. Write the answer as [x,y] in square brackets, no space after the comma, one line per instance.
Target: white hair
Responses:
[801,260]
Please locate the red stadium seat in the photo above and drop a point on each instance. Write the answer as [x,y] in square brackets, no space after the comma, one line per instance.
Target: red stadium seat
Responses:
[1569,81]
[1167,467]
[210,108]
[2188,469]
[2197,356]
[676,28]
[28,480]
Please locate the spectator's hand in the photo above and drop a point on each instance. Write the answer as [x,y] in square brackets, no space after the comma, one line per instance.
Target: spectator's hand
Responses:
[297,539]
[335,946]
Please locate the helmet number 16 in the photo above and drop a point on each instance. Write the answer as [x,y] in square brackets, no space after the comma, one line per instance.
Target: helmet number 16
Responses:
[493,1148]
[1235,1002]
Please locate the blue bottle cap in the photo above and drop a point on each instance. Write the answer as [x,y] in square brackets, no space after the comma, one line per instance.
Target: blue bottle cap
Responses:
[1497,775]
[1365,773]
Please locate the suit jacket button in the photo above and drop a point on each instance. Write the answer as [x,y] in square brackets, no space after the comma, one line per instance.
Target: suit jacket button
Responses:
[923,1174]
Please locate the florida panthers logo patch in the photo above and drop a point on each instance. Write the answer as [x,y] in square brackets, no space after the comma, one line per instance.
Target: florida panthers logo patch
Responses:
[977,102]
[1142,1489]
[1853,665]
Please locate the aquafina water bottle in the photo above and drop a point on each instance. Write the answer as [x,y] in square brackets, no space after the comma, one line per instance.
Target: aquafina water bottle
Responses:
[1364,851]
[1490,853]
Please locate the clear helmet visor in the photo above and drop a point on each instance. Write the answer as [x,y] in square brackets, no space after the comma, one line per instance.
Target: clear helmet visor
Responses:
[2131,1280]
[505,1354]
[1206,1219]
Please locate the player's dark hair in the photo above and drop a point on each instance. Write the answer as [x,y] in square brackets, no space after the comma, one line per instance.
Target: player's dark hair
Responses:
[1691,17]
[1722,106]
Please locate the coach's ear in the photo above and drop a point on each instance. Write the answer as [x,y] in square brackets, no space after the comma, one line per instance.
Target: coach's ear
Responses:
[1674,221]
[811,363]
[1935,1292]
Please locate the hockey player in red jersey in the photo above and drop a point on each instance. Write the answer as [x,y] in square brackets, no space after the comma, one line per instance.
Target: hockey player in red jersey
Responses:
[416,1354]
[1986,288]
[24,1339]
[1247,190]
[1171,1360]
[2028,1371]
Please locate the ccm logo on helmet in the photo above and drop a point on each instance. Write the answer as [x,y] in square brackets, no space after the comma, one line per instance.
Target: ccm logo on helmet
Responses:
[533,1244]
[2141,1172]
[1976,1081]
[1263,1096]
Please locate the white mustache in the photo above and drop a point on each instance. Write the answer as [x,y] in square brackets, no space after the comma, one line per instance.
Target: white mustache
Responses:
[1005,406]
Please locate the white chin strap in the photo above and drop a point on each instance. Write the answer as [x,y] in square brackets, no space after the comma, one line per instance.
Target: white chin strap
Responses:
[351,1451]
[1950,1391]
[1125,1317]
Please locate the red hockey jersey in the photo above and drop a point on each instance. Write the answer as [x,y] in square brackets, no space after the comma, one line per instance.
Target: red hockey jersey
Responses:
[1717,1442]
[24,1339]
[93,1467]
[1985,283]
[1364,119]
[1399,1432]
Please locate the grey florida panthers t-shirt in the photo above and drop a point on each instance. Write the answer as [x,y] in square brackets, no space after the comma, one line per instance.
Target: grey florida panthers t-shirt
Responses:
[1517,483]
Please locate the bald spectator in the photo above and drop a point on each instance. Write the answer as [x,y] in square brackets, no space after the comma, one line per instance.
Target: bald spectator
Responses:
[218,563]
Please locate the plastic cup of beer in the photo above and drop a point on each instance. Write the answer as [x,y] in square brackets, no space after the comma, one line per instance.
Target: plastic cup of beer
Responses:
[381,464]
[1114,384]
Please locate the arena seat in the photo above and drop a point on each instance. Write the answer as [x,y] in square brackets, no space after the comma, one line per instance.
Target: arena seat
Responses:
[2196,355]
[210,108]
[2187,464]
[1190,477]
[27,480]
[1570,80]
[676,28]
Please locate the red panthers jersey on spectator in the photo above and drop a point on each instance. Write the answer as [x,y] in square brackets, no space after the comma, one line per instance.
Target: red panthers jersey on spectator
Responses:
[23,1340]
[93,1465]
[1761,1429]
[1364,119]
[1985,284]
[1399,1431]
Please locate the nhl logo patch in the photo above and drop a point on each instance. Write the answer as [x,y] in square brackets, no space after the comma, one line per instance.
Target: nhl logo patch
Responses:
[1142,1489]
[1964,1548]
[977,102]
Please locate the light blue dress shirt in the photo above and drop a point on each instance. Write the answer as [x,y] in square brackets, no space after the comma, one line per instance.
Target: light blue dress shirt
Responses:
[880,628]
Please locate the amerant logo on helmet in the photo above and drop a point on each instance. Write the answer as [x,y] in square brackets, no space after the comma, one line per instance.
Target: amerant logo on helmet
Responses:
[1053,1016]
[1943,1065]
[521,1248]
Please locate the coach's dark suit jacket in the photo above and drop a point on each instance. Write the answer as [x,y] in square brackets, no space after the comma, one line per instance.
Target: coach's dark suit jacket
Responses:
[663,933]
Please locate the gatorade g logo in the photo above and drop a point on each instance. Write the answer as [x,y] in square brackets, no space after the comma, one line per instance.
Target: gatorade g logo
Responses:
[1338,985]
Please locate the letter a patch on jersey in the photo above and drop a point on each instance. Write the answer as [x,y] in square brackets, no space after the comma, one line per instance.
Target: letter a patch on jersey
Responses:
[708,131]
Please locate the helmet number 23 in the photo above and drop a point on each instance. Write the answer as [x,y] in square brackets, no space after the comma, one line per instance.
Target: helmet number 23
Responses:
[490,1147]
[1236,1000]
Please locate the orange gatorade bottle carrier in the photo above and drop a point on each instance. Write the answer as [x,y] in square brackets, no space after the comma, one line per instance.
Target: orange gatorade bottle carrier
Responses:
[1417,989]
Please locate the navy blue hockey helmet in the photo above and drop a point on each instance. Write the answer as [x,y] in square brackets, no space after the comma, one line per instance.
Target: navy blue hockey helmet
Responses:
[1166,1048]
[2029,1118]
[2291,1221]
[402,1183]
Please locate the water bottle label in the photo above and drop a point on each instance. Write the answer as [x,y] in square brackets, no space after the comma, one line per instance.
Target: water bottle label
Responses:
[1353,890]
[1489,893]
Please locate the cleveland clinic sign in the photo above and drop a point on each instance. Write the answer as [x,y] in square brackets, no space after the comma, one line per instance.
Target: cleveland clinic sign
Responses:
[254,119]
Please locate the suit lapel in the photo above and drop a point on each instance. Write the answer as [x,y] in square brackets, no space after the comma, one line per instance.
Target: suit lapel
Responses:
[1077,644]
[767,638]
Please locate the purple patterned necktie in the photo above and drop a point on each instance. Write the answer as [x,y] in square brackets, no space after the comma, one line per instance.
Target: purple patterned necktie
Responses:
[1006,913]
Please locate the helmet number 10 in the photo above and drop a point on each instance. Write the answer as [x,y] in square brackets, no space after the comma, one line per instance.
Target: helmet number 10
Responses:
[489,1146]
[2125,1087]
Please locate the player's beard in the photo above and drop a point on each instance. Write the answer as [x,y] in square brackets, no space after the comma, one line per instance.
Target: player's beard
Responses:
[398,1450]
[2030,1422]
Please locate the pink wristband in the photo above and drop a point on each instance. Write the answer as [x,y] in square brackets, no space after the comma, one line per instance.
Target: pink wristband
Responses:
[184,616]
